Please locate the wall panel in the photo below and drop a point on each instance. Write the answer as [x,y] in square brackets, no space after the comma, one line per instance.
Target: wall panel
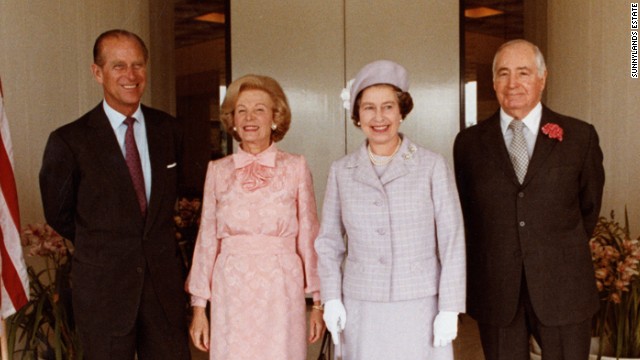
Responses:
[45,59]
[300,44]
[313,47]
[589,78]
[423,36]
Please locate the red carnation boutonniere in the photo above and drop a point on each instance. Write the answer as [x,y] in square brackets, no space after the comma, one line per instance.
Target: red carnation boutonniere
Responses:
[553,131]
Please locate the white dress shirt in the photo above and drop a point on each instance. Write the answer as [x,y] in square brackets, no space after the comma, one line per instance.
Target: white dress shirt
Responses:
[530,130]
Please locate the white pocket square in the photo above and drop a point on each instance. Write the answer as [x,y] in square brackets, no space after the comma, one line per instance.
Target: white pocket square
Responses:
[171,165]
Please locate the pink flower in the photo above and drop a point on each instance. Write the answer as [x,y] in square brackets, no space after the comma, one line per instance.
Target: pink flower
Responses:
[601,273]
[43,241]
[187,212]
[553,131]
[615,298]
[621,285]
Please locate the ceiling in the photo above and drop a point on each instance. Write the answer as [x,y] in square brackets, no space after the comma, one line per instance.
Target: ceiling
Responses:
[188,31]
[508,25]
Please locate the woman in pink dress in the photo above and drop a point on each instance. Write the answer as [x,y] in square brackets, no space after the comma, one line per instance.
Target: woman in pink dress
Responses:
[254,258]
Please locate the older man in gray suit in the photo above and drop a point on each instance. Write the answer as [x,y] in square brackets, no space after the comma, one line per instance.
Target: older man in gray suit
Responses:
[530,182]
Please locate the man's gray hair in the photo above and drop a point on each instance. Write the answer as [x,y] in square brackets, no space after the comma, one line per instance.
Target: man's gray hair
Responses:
[540,64]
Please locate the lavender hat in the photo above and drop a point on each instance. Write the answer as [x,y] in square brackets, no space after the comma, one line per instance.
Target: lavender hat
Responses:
[378,72]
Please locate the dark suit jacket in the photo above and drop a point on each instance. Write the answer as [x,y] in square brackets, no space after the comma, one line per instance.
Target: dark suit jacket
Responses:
[88,197]
[541,227]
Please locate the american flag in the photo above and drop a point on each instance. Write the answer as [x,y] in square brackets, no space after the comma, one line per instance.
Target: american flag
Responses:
[14,282]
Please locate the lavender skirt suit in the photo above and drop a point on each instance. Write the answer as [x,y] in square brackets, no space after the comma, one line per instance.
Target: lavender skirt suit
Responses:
[391,247]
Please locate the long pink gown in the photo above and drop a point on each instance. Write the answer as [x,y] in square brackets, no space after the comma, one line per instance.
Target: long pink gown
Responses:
[254,258]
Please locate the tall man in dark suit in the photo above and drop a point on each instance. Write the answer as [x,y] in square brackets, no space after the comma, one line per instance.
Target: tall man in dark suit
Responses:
[531,197]
[109,183]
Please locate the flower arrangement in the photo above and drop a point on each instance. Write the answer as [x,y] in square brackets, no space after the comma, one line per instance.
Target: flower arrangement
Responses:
[553,131]
[616,259]
[187,220]
[45,326]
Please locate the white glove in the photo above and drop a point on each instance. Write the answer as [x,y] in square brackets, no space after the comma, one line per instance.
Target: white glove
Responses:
[445,328]
[335,317]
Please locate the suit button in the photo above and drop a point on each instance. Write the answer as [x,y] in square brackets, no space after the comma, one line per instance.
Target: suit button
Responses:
[139,270]
[382,261]
[521,194]
[377,203]
[381,231]
[522,223]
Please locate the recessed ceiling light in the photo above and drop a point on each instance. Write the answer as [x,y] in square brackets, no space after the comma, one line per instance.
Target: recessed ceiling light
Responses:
[481,12]
[213,17]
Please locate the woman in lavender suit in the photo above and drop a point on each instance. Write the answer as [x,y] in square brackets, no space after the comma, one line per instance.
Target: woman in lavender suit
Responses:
[394,289]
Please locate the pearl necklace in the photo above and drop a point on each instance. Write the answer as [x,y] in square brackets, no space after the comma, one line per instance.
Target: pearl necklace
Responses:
[382,160]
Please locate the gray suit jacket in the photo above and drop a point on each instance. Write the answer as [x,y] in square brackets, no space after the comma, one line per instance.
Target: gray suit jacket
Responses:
[540,228]
[404,230]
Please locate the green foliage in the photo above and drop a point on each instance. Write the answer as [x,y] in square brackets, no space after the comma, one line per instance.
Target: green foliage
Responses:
[44,327]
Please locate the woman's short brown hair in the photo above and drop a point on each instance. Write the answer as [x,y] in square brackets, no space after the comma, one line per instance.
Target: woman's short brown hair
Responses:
[405,102]
[281,110]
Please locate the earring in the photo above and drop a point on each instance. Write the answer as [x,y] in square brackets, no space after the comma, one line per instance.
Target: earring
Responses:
[274,126]
[401,120]
[235,129]
[358,124]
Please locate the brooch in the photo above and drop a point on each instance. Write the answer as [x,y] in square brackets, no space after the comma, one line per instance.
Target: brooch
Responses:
[412,150]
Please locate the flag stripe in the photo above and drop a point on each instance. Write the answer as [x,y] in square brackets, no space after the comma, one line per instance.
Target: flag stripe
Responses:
[8,184]
[15,283]
[11,281]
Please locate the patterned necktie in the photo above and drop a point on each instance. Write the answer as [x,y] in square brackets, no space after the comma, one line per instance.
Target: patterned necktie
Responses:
[518,149]
[135,167]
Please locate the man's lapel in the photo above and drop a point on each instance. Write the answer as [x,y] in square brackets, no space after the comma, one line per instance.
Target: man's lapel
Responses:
[110,160]
[157,142]
[544,146]
[493,141]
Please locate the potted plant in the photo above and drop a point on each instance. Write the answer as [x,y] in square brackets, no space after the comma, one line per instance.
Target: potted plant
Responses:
[616,259]
[44,327]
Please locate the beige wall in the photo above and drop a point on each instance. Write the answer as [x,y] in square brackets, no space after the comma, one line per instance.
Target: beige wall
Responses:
[45,57]
[588,55]
[300,44]
[313,47]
